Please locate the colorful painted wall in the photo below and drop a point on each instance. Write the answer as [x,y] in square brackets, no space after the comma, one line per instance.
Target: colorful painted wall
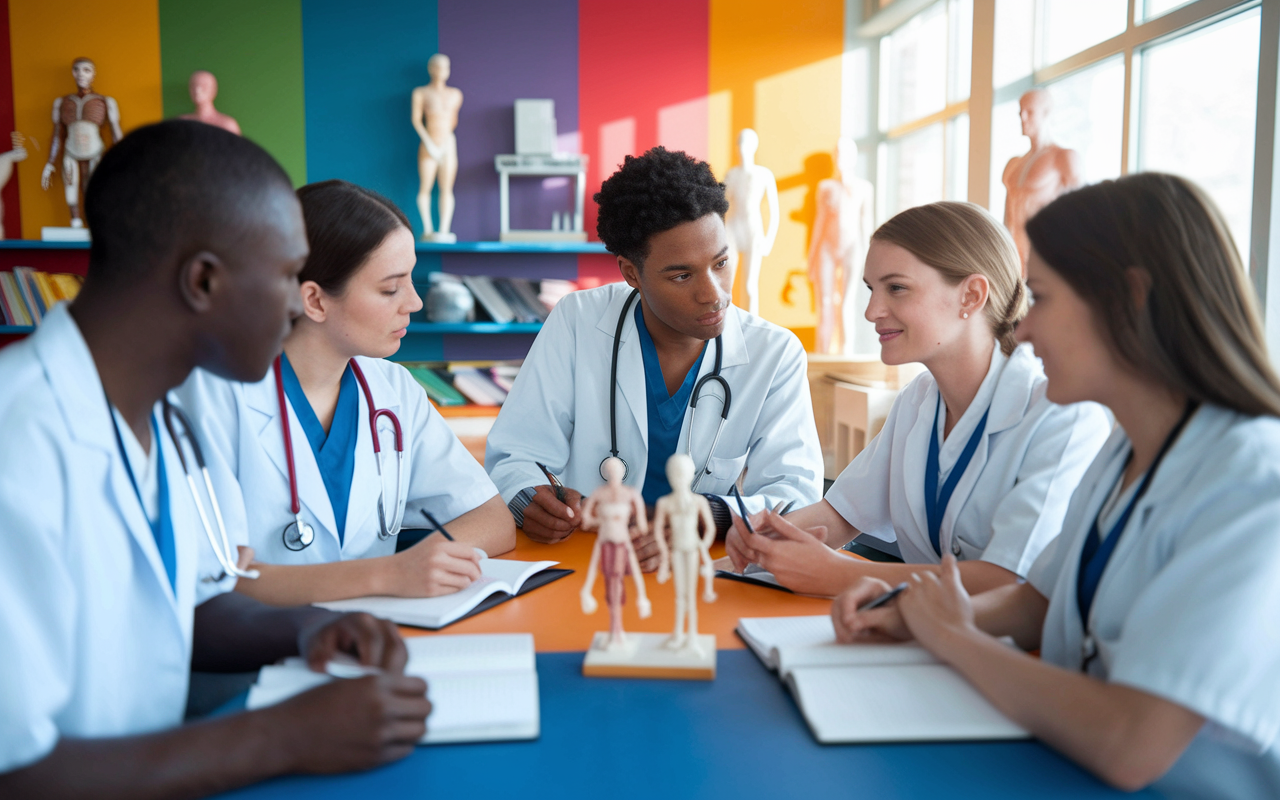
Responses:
[324,85]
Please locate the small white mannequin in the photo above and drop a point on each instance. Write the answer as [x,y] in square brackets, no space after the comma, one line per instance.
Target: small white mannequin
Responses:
[435,118]
[680,512]
[609,510]
[842,230]
[746,186]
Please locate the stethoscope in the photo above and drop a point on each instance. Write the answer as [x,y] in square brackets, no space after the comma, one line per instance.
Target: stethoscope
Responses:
[714,375]
[226,556]
[298,535]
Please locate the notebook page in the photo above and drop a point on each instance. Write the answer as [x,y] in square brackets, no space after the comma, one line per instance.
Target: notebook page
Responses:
[474,707]
[896,704]
[434,656]
[513,573]
[811,641]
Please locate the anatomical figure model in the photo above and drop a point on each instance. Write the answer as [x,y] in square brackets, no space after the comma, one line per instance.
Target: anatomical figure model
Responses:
[78,120]
[609,511]
[680,512]
[842,230]
[435,110]
[1036,178]
[746,186]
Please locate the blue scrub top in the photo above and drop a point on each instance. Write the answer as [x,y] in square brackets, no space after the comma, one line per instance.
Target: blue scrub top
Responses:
[335,451]
[666,413]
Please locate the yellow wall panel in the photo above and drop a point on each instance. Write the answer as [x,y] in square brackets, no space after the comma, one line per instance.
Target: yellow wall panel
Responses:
[123,39]
[777,66]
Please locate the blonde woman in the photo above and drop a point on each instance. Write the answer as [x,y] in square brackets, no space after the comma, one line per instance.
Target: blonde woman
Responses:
[1155,611]
[973,460]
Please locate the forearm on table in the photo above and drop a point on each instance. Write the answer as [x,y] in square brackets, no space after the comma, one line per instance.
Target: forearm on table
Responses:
[822,514]
[488,526]
[1123,735]
[299,584]
[1016,610]
[192,761]
[978,576]
[236,633]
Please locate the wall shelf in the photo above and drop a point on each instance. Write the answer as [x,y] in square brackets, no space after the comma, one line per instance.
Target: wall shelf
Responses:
[37,244]
[511,247]
[16,330]
[474,327]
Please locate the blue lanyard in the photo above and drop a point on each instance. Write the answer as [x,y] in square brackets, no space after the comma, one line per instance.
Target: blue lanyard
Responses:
[935,502]
[161,528]
[1097,552]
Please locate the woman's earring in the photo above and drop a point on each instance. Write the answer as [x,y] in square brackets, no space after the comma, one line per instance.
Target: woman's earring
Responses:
[966,315]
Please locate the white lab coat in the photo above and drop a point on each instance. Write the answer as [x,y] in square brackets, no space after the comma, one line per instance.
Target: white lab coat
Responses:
[558,409]
[1188,608]
[1010,501]
[95,641]
[241,423]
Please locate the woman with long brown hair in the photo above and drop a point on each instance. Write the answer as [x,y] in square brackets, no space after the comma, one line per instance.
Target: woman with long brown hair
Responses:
[1156,610]
[973,459]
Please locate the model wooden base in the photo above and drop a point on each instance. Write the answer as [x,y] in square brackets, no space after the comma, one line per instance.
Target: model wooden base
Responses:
[646,655]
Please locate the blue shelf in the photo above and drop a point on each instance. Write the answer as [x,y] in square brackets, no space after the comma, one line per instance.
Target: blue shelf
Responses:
[511,247]
[474,327]
[37,244]
[17,329]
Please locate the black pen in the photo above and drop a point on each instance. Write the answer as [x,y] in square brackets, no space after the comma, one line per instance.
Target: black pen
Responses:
[885,598]
[742,509]
[437,525]
[555,482]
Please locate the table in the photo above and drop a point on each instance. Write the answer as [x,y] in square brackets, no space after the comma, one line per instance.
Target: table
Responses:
[740,736]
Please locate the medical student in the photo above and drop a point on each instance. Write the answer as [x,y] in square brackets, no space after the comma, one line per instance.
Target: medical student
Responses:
[1155,611]
[618,370]
[305,431]
[197,242]
[974,459]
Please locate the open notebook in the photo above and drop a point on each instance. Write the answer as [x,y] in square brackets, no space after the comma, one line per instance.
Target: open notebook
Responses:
[482,687]
[871,692]
[501,579]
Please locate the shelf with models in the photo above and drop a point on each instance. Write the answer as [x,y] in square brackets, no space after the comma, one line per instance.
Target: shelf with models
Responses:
[475,327]
[421,247]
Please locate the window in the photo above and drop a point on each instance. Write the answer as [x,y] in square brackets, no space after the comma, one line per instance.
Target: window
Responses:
[1070,26]
[1197,111]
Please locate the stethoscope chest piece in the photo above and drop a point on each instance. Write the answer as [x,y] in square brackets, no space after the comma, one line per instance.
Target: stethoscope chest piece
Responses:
[298,535]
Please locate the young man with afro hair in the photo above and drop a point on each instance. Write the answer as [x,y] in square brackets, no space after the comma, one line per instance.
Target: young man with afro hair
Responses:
[614,370]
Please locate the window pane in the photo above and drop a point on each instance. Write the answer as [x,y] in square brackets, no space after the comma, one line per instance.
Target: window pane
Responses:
[915,67]
[1015,39]
[914,170]
[1088,116]
[1007,142]
[1197,114]
[960,54]
[1074,25]
[1154,8]
[957,187]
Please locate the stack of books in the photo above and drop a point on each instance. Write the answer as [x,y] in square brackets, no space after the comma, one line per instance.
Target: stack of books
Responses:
[26,295]
[507,299]
[460,383]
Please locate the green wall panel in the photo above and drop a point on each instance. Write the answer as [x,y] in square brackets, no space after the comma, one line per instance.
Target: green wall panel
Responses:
[254,48]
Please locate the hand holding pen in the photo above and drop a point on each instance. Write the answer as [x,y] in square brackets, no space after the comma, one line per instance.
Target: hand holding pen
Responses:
[868,612]
[553,512]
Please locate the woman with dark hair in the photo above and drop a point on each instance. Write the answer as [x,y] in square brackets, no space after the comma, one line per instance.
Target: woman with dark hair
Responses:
[321,507]
[1155,610]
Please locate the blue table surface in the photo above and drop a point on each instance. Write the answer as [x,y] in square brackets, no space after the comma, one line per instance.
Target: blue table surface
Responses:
[739,736]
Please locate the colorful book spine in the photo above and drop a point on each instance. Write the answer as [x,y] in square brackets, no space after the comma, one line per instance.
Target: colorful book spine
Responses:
[15,305]
[30,293]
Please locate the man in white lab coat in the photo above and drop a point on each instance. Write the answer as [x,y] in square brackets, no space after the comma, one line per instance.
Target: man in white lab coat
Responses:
[613,374]
[197,244]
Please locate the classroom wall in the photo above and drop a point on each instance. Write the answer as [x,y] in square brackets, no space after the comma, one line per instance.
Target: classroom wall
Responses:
[325,87]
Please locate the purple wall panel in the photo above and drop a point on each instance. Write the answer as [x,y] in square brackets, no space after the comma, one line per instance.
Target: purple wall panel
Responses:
[502,50]
[534,266]
[487,347]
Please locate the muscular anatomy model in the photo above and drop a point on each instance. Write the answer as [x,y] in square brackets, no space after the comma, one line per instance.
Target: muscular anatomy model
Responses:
[7,160]
[609,510]
[680,512]
[745,186]
[1034,180]
[78,120]
[435,118]
[841,233]
[203,88]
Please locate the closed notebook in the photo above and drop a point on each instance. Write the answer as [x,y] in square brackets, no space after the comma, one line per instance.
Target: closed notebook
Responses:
[871,692]
[437,388]
[482,687]
[501,579]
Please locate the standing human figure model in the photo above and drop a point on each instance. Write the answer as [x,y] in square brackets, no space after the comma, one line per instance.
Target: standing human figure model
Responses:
[203,88]
[609,510]
[745,187]
[78,120]
[680,512]
[7,160]
[1039,176]
[435,118]
[842,229]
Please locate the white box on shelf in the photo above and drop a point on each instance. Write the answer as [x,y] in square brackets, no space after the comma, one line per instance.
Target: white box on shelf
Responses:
[535,127]
[59,234]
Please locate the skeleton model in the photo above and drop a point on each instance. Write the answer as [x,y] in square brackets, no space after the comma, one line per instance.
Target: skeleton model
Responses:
[435,118]
[680,512]
[609,510]
[841,233]
[746,186]
[78,120]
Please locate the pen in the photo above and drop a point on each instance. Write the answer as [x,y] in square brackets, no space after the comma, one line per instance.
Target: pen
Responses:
[742,509]
[785,508]
[553,480]
[885,598]
[437,525]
